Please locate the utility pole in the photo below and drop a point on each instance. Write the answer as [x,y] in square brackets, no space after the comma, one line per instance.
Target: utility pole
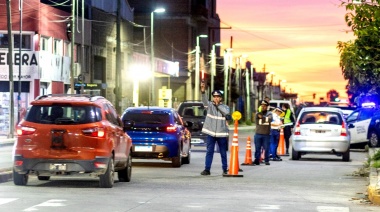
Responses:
[248,98]
[118,65]
[10,62]
[19,65]
[72,46]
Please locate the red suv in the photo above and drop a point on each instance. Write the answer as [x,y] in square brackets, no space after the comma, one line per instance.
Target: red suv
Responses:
[72,134]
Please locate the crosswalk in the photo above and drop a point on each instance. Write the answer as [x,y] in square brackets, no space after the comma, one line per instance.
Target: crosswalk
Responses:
[52,204]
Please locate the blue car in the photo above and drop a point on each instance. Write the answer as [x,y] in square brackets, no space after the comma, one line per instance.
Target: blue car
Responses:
[159,133]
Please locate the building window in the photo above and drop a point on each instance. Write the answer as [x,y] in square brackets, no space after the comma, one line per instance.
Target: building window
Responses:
[45,44]
[57,47]
[67,49]
[26,41]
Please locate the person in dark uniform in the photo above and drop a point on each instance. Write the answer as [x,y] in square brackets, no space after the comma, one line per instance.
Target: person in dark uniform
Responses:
[262,136]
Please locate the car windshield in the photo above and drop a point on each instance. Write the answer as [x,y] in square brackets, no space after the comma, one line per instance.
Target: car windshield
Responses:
[319,117]
[63,114]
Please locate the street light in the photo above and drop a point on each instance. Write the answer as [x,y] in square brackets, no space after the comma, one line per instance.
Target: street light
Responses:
[158,10]
[213,64]
[197,66]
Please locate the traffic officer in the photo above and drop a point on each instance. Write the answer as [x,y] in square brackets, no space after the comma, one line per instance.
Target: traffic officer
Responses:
[262,135]
[289,123]
[275,133]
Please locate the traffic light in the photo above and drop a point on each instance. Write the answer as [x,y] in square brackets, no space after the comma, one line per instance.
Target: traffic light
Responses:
[313,95]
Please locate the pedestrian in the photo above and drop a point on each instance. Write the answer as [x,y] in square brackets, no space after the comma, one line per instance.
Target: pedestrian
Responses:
[275,133]
[216,128]
[262,135]
[289,123]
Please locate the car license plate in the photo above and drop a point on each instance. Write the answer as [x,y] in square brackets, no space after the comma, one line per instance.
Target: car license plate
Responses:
[143,148]
[197,141]
[57,167]
[319,131]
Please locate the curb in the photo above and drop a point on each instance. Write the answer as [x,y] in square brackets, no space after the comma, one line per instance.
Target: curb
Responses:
[6,175]
[373,189]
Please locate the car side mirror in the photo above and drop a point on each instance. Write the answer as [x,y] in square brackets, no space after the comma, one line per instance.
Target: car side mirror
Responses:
[128,124]
[351,126]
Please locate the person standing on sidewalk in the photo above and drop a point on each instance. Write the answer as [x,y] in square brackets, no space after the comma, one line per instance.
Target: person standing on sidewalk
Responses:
[215,126]
[275,134]
[263,121]
[288,122]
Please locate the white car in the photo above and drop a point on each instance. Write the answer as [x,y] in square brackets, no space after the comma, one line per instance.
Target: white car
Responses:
[321,130]
[358,123]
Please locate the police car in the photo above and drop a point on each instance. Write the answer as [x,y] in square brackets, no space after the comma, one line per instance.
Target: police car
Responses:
[358,124]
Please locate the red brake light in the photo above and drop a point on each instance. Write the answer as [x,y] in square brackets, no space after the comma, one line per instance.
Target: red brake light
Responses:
[94,132]
[297,130]
[18,163]
[25,131]
[170,129]
[344,131]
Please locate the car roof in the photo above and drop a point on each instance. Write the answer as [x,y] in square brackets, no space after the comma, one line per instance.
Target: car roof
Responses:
[150,108]
[73,99]
[327,109]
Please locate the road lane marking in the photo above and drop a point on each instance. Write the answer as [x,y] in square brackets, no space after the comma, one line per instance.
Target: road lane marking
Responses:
[332,209]
[49,203]
[7,200]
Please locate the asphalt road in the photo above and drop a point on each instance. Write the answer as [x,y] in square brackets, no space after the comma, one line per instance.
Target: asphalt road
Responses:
[315,183]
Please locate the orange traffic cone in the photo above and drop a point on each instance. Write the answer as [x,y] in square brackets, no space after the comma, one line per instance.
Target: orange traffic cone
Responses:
[248,153]
[234,157]
[281,144]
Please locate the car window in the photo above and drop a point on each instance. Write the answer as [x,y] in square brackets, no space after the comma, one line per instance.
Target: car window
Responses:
[193,111]
[143,118]
[65,114]
[365,114]
[353,116]
[321,117]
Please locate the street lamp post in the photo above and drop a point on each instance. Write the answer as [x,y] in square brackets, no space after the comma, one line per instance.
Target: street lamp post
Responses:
[197,67]
[158,10]
[213,64]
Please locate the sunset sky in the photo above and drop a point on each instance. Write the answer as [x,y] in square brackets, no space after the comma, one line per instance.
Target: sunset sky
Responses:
[296,39]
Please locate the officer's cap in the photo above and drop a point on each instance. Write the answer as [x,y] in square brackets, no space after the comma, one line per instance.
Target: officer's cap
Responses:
[217,93]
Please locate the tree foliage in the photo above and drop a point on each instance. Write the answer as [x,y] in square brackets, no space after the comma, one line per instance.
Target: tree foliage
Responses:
[360,59]
[332,95]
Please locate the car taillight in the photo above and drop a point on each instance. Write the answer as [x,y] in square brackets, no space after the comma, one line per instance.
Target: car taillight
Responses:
[25,131]
[94,132]
[343,132]
[297,130]
[170,129]
[18,163]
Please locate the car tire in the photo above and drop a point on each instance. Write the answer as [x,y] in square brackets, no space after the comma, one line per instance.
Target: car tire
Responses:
[43,178]
[125,174]
[373,139]
[20,179]
[295,155]
[186,160]
[346,156]
[107,179]
[177,161]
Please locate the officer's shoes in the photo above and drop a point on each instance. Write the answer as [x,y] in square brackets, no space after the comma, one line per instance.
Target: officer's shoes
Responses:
[225,171]
[205,172]
[267,163]
[256,162]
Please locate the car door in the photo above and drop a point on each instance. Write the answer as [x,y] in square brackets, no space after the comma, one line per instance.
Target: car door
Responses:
[358,123]
[351,121]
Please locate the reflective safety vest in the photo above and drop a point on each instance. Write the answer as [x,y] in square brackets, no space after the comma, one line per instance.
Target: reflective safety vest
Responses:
[287,118]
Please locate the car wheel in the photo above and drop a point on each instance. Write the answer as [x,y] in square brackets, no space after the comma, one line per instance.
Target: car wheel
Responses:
[107,179]
[44,178]
[177,161]
[373,139]
[186,160]
[346,156]
[295,155]
[125,174]
[20,179]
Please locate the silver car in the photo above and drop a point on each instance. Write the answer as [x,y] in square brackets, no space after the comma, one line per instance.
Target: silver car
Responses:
[321,130]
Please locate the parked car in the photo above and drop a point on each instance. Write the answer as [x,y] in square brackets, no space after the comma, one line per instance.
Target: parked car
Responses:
[358,125]
[158,133]
[194,112]
[321,130]
[72,135]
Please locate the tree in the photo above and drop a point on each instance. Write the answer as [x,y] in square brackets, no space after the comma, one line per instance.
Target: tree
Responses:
[360,59]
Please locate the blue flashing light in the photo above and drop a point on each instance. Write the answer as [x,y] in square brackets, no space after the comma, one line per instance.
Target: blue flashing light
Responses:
[368,104]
